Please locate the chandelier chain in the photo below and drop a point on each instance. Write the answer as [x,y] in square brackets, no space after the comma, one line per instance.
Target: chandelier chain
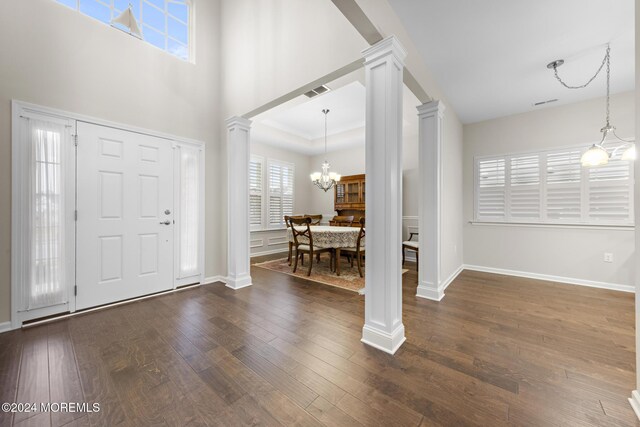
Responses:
[605,60]
[325,131]
[607,57]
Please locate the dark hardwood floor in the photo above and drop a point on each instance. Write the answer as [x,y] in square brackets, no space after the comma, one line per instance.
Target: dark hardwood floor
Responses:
[496,351]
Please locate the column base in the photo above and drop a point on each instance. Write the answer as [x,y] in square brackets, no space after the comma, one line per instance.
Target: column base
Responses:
[634,400]
[429,291]
[238,282]
[389,343]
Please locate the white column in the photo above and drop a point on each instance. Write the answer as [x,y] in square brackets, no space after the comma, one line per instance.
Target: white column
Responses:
[238,265]
[635,395]
[430,117]
[383,328]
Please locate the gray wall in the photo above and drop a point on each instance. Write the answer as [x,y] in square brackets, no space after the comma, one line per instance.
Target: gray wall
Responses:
[574,253]
[56,57]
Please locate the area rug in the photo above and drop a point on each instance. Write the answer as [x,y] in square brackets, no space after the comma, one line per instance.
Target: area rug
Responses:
[349,278]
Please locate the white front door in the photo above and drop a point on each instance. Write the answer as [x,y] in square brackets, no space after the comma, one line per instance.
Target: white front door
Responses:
[125,215]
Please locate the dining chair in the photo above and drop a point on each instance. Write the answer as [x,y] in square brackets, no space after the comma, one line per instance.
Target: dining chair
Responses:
[412,246]
[300,227]
[315,219]
[286,222]
[343,220]
[358,251]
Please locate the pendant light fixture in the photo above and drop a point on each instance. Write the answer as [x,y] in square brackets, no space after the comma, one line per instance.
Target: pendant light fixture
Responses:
[325,180]
[598,154]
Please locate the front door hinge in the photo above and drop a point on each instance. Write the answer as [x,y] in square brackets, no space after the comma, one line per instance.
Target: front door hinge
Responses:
[75,140]
[75,214]
[75,290]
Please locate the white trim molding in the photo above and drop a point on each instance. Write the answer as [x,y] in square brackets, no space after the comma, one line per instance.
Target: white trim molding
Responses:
[383,67]
[634,401]
[214,279]
[238,234]
[535,225]
[430,118]
[452,277]
[552,278]
[6,327]
[389,343]
[270,252]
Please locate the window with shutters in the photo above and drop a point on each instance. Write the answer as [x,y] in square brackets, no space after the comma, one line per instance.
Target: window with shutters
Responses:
[491,194]
[256,190]
[552,187]
[280,176]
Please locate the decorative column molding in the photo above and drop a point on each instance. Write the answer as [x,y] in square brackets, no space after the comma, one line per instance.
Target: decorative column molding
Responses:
[430,116]
[383,328]
[238,263]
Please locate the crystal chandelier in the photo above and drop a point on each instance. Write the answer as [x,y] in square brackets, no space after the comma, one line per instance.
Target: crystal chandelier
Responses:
[599,154]
[325,180]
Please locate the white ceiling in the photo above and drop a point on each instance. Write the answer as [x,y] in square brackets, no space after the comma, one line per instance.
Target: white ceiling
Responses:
[489,57]
[298,125]
[346,112]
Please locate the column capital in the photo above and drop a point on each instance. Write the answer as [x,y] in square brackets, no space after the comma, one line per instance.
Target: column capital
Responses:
[387,46]
[430,107]
[239,122]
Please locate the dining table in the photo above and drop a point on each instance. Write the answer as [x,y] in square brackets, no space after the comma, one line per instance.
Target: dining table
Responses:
[329,236]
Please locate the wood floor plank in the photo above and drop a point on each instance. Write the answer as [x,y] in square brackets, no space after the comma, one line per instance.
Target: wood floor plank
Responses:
[11,344]
[496,351]
[63,373]
[33,383]
[283,382]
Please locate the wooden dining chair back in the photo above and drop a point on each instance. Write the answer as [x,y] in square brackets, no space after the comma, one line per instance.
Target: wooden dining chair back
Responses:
[359,250]
[343,220]
[315,219]
[412,245]
[300,228]
[286,223]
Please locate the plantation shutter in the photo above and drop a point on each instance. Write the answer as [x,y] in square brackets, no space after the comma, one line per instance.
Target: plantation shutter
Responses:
[281,177]
[287,191]
[524,189]
[255,193]
[563,185]
[491,195]
[611,192]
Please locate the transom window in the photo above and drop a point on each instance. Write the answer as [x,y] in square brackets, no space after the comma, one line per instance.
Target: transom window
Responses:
[164,23]
[552,187]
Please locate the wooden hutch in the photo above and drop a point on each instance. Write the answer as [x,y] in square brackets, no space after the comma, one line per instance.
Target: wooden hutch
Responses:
[349,197]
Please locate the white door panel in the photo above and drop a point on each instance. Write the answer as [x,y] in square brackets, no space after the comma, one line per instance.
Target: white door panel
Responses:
[125,182]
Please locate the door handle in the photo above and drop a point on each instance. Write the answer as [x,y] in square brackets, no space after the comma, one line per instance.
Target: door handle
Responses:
[167,222]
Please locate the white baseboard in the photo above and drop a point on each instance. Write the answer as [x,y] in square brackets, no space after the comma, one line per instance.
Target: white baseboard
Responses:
[452,277]
[429,292]
[238,281]
[634,400]
[389,343]
[551,278]
[214,279]
[410,256]
[5,327]
[271,252]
